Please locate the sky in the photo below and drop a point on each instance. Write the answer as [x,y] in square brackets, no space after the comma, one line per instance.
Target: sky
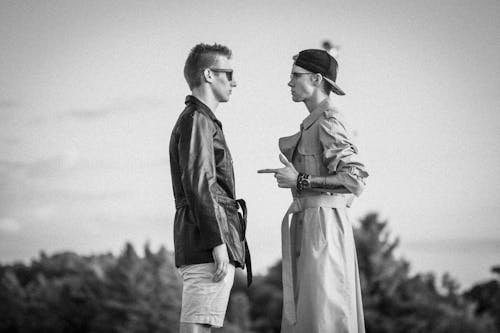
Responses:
[90,91]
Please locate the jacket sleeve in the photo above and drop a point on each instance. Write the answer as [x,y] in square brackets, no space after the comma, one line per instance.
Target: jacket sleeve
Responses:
[197,162]
[340,155]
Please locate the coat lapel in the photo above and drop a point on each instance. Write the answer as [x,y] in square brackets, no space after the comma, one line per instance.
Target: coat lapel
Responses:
[287,145]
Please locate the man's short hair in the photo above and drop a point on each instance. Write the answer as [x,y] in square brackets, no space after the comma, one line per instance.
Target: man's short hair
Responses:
[202,56]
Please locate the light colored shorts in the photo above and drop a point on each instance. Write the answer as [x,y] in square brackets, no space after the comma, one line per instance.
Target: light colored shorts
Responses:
[204,301]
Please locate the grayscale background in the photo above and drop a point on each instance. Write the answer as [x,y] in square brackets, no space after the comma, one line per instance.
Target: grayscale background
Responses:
[90,90]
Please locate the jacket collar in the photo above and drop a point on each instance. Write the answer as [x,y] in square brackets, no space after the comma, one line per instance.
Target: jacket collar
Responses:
[325,105]
[190,99]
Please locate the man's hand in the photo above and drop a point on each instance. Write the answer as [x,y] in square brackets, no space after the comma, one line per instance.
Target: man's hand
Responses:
[221,259]
[287,176]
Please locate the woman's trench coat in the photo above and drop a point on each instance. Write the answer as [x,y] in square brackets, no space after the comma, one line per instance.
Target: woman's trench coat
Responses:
[321,288]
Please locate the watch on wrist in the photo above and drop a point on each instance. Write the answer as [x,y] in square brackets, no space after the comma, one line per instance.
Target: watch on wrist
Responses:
[303,182]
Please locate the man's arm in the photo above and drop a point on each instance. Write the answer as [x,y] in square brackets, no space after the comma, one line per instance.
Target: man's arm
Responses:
[341,158]
[346,172]
[287,178]
[199,179]
[197,164]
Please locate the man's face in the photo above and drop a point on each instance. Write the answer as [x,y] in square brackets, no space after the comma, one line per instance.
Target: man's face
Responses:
[222,85]
[300,84]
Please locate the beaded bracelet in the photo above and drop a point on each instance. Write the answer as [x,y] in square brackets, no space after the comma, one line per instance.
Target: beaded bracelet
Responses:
[302,179]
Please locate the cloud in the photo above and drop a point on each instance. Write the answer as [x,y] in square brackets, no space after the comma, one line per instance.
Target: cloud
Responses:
[45,212]
[9,170]
[121,107]
[16,114]
[8,108]
[7,104]
[9,141]
[40,167]
[9,225]
[87,114]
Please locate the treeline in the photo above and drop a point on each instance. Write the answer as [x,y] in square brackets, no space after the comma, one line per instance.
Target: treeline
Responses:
[67,292]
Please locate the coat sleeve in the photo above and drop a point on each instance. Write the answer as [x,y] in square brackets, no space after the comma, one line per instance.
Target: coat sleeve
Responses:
[197,162]
[340,155]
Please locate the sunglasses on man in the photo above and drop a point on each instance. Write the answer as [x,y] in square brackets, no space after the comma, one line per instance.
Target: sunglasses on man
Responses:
[229,72]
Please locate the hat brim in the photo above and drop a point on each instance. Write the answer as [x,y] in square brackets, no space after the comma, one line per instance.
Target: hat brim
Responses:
[335,88]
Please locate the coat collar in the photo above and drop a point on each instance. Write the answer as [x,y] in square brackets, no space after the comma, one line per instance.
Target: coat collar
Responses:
[190,99]
[288,144]
[325,105]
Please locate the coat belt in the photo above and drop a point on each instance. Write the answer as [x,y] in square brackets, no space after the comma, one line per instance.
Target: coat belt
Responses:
[300,204]
[238,203]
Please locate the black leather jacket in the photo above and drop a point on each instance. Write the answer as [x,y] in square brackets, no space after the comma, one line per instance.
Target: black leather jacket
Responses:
[203,182]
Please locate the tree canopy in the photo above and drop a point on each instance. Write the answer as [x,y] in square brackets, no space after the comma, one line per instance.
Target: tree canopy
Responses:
[67,292]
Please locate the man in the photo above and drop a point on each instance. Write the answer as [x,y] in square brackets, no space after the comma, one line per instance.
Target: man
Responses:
[209,231]
[321,289]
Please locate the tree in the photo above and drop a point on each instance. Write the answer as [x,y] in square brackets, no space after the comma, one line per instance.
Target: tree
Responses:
[66,292]
[397,302]
[486,296]
[71,293]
